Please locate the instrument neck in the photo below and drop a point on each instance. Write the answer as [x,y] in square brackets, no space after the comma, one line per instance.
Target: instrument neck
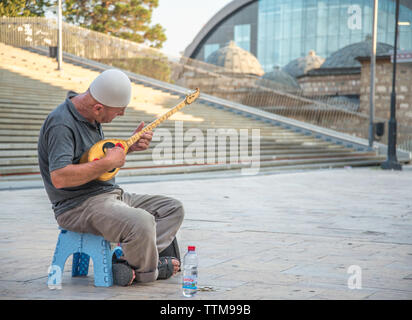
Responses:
[133,139]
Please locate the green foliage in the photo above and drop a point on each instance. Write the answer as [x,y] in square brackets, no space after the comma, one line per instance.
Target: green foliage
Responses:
[24,8]
[127,19]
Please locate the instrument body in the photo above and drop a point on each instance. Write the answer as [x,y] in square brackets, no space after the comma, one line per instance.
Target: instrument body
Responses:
[98,150]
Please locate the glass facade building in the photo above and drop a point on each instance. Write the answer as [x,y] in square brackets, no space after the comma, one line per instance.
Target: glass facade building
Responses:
[242,36]
[278,31]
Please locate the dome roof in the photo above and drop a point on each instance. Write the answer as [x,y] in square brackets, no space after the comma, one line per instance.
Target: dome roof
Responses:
[280,77]
[301,66]
[345,57]
[235,60]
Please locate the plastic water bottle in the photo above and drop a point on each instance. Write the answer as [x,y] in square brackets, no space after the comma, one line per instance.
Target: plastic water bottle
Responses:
[190,272]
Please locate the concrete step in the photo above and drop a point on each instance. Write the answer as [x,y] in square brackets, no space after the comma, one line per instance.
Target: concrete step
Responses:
[137,167]
[10,127]
[140,159]
[29,154]
[269,165]
[127,131]
[275,146]
[157,138]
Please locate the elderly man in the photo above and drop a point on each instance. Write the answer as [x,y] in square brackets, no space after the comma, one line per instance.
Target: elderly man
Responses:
[144,224]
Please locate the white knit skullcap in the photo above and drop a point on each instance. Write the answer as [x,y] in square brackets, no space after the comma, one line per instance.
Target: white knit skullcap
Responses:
[112,88]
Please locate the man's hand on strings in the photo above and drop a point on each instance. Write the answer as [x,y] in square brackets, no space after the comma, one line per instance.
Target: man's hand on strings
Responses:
[144,141]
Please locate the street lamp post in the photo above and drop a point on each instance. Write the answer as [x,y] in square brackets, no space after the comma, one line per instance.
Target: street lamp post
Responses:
[59,37]
[372,72]
[392,161]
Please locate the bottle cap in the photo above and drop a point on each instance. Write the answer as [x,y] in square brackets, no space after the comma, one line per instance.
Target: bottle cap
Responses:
[191,248]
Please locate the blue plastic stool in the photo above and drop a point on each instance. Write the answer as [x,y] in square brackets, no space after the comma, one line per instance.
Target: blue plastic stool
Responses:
[82,246]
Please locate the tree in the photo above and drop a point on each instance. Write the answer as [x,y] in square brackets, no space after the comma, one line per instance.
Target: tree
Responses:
[23,8]
[127,19]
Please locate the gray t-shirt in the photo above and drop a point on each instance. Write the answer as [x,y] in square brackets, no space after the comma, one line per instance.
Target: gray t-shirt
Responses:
[64,137]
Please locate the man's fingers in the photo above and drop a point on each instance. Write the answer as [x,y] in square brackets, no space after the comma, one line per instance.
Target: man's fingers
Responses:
[144,141]
[140,127]
[147,136]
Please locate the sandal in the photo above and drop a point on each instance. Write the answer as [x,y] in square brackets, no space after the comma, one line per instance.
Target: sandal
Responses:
[165,267]
[172,251]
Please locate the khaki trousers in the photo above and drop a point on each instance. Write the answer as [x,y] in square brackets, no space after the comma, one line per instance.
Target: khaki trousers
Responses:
[144,225]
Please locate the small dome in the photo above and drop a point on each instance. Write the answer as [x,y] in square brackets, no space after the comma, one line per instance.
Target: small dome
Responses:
[345,57]
[235,60]
[301,66]
[280,77]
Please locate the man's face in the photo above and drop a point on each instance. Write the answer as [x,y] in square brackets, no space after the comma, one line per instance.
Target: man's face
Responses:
[106,114]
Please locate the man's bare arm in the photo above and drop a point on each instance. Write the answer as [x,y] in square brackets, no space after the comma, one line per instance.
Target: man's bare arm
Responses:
[74,175]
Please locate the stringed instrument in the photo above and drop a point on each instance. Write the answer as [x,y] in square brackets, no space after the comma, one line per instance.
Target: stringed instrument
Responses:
[98,150]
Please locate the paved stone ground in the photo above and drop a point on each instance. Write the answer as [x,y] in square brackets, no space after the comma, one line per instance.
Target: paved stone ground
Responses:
[280,236]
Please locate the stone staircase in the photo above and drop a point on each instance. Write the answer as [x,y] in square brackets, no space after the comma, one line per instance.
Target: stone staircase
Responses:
[30,88]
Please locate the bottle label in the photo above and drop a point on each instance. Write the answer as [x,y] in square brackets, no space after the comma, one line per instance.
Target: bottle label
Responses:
[190,282]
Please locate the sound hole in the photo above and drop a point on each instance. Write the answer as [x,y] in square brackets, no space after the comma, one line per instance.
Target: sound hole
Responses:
[108,145]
